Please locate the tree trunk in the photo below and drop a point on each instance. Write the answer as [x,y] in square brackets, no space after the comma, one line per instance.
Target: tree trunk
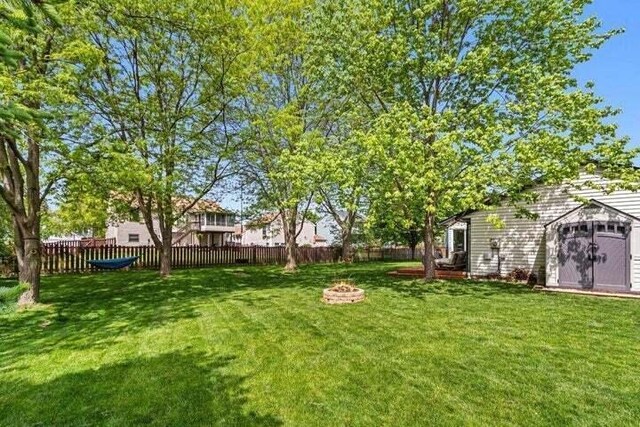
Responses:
[347,255]
[165,255]
[413,250]
[428,260]
[18,244]
[290,242]
[29,271]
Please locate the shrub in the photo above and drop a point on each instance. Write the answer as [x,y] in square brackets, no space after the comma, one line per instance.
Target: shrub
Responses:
[519,274]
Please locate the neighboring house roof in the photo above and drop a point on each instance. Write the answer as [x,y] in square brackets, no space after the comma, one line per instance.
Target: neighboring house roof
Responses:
[262,220]
[202,205]
[593,202]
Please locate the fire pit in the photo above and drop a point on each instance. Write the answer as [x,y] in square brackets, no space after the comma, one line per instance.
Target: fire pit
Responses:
[342,292]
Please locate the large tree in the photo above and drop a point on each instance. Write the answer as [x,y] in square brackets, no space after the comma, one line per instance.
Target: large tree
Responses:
[160,102]
[345,178]
[285,119]
[35,76]
[467,98]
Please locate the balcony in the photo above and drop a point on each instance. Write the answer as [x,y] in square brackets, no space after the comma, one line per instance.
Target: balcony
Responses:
[213,222]
[218,228]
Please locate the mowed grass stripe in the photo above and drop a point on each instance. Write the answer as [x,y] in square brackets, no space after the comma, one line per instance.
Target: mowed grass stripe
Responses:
[255,346]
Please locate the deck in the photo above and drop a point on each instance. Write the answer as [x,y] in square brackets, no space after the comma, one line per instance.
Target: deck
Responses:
[419,272]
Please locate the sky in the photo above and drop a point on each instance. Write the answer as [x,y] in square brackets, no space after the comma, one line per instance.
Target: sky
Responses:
[615,68]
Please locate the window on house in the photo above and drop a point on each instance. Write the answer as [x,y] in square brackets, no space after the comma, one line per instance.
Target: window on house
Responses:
[209,218]
[264,232]
[134,238]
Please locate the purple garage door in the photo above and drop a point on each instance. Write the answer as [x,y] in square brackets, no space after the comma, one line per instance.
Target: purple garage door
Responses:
[575,264]
[611,256]
[594,255]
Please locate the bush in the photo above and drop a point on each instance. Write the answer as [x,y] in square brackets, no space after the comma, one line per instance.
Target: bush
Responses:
[519,274]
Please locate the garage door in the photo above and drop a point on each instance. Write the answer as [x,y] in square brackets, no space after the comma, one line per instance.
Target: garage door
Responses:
[594,255]
[611,256]
[575,263]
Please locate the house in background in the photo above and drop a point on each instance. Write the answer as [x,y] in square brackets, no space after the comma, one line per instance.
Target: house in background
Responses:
[267,231]
[592,245]
[205,224]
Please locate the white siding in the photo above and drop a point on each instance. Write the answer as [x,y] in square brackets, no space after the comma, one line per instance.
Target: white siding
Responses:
[275,236]
[120,231]
[523,240]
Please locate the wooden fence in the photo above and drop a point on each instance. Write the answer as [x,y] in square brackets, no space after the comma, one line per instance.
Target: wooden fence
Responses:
[90,242]
[386,254]
[64,258]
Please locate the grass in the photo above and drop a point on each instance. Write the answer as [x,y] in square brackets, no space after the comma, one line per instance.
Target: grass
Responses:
[9,296]
[255,346]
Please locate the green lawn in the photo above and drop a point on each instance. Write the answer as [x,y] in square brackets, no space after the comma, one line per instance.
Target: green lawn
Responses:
[255,346]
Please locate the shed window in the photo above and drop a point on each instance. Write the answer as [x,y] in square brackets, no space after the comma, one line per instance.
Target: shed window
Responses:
[134,238]
[622,229]
[584,227]
[601,228]
[611,228]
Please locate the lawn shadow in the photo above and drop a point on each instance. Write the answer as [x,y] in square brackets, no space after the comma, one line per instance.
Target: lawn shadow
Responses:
[418,288]
[94,310]
[169,389]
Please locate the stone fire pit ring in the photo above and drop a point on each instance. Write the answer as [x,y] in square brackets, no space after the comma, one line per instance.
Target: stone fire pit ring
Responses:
[336,297]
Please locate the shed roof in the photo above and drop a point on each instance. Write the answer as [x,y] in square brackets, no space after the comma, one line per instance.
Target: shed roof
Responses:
[593,202]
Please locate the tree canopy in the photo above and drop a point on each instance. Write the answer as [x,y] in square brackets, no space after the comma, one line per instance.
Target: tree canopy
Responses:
[466,99]
[158,103]
[380,113]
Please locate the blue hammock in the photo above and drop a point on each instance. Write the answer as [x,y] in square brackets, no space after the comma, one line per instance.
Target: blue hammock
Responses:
[114,263]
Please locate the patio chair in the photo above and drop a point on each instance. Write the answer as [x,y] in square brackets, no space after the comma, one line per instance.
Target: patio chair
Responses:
[457,261]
